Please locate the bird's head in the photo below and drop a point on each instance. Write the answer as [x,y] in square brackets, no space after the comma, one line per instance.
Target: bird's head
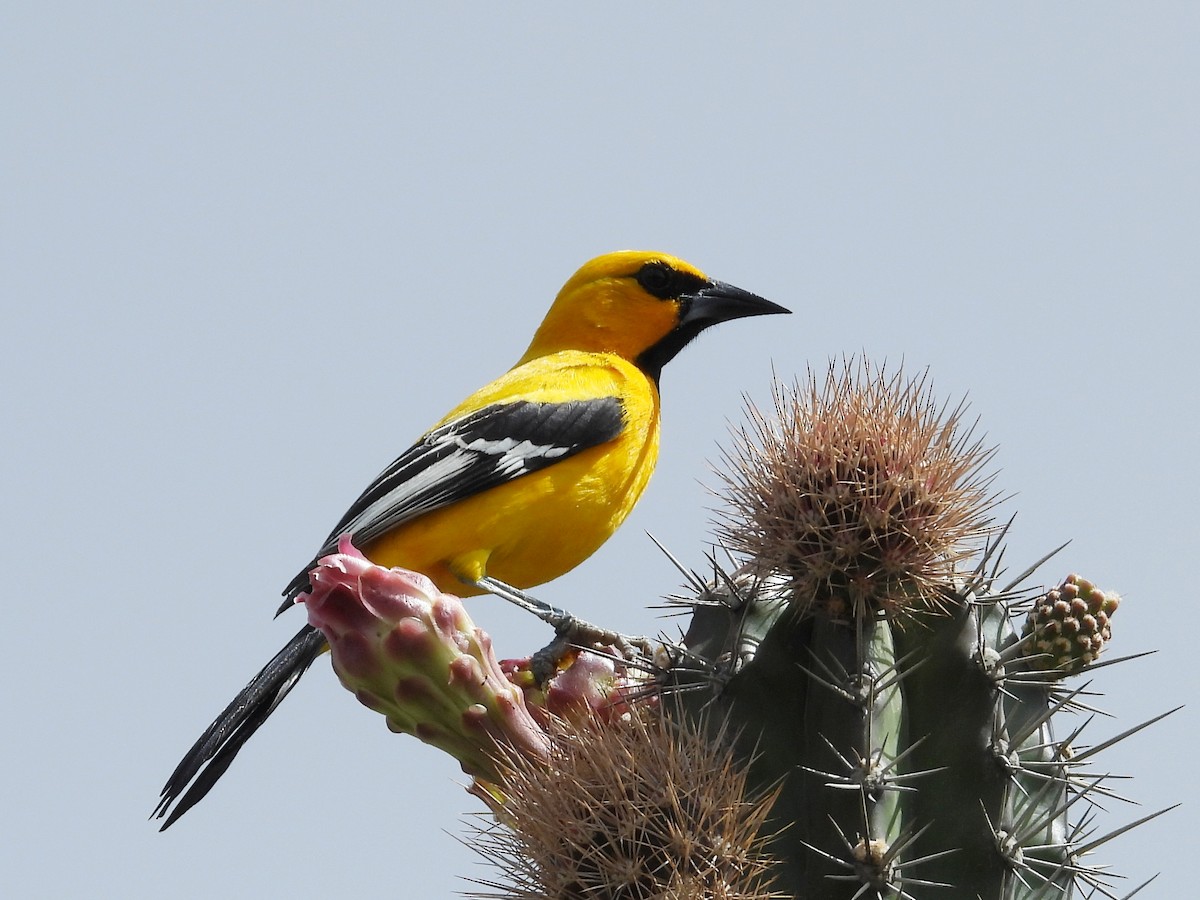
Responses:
[641,305]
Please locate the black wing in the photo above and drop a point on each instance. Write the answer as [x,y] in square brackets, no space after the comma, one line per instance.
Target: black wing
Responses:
[471,454]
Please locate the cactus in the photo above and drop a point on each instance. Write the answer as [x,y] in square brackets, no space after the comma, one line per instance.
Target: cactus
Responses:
[647,807]
[861,706]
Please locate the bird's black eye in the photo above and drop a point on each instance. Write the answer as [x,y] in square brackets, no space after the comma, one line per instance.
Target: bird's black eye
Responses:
[658,279]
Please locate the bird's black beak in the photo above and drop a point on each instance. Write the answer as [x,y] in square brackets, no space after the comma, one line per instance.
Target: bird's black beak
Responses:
[719,302]
[712,303]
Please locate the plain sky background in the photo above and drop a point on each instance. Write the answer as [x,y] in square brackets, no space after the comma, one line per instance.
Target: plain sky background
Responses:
[250,251]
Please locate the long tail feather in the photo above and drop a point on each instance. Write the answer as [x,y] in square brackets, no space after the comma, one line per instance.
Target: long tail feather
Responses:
[211,755]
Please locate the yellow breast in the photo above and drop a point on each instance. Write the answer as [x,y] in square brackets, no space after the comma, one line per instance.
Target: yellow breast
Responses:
[542,524]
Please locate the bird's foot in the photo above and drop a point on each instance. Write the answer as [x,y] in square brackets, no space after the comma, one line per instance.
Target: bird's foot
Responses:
[570,632]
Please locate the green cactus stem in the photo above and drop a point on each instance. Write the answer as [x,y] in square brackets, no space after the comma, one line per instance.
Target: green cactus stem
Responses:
[869,663]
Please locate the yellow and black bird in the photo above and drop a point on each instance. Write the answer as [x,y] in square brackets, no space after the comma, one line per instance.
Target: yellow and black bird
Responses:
[520,482]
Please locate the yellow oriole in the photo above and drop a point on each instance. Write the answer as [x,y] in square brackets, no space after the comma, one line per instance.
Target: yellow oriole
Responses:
[520,482]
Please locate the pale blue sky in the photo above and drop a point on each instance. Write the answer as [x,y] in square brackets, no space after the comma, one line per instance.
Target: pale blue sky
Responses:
[250,251]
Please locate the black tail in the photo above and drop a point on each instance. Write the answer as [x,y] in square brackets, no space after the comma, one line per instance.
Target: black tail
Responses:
[211,755]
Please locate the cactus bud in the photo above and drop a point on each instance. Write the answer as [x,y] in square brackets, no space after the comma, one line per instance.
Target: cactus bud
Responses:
[408,651]
[1069,626]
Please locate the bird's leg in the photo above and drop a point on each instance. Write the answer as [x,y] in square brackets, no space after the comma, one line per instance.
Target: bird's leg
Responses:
[553,616]
[569,631]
